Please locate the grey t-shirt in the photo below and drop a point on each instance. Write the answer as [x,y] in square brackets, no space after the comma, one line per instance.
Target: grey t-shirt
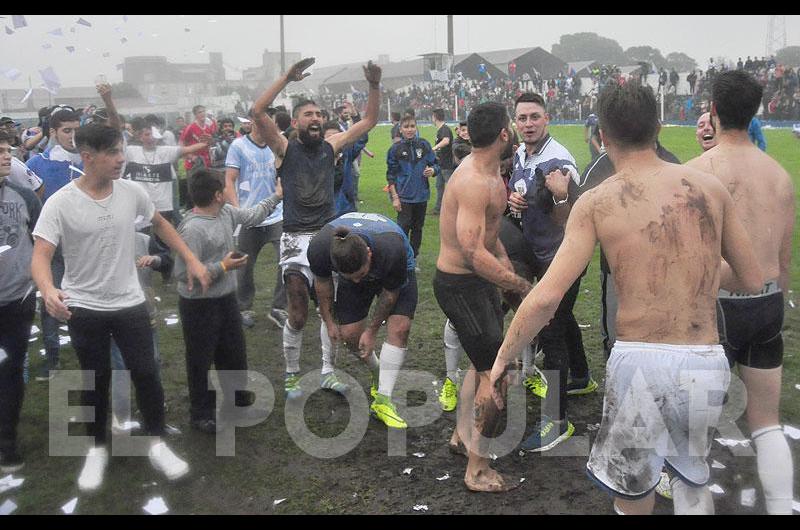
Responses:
[19,211]
[98,242]
[210,238]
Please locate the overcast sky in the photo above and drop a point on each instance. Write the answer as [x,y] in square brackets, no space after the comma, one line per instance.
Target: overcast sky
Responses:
[347,38]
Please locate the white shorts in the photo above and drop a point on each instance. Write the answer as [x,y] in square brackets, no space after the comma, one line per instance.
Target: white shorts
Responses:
[294,255]
[662,404]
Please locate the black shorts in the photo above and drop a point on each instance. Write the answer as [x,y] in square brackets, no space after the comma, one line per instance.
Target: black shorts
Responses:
[473,306]
[750,330]
[353,300]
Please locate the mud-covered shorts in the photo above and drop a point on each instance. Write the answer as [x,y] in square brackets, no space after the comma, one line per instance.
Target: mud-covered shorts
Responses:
[294,255]
[662,404]
[473,306]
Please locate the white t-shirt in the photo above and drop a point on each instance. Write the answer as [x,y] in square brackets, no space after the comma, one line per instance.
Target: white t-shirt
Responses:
[98,242]
[153,171]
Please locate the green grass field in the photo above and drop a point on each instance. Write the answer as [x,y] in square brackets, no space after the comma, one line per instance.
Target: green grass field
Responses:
[268,466]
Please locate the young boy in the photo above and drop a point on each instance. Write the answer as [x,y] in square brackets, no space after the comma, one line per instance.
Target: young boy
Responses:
[411,162]
[212,324]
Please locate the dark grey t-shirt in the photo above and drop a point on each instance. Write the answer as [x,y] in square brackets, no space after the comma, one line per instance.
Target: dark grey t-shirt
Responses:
[307,177]
[19,211]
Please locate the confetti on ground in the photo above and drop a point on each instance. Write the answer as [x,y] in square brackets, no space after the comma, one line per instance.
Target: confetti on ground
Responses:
[63,341]
[69,508]
[277,502]
[171,321]
[727,442]
[407,471]
[9,483]
[419,455]
[443,477]
[34,330]
[584,326]
[715,488]
[791,304]
[420,507]
[8,507]
[156,506]
[748,498]
[717,465]
[791,432]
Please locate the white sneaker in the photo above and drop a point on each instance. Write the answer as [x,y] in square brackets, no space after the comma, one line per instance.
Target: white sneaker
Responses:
[164,460]
[94,469]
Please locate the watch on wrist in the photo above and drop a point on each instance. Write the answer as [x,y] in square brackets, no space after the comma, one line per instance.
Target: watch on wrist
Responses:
[559,203]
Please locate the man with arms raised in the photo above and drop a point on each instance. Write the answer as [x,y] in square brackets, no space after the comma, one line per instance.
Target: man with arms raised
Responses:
[306,167]
[763,197]
[472,265]
[664,228]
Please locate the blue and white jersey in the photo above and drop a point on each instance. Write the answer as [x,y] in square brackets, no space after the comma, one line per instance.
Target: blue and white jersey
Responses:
[257,175]
[543,234]
[373,224]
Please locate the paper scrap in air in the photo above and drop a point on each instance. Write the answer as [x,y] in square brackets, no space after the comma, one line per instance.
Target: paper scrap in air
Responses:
[156,506]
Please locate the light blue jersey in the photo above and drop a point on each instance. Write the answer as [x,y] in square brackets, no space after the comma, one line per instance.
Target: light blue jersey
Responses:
[257,175]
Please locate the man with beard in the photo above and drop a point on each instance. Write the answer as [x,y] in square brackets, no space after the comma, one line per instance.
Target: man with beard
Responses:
[706,134]
[471,269]
[306,167]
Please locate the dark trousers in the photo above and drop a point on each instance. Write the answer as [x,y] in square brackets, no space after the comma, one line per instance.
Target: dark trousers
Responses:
[412,219]
[212,331]
[91,333]
[251,241]
[562,343]
[50,325]
[441,181]
[15,330]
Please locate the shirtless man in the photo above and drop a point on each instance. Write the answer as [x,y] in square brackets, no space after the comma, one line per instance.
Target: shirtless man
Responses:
[706,134]
[472,266]
[663,228]
[763,197]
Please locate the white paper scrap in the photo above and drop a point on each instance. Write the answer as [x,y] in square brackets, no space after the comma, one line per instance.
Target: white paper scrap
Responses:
[407,471]
[584,326]
[717,465]
[714,488]
[9,483]
[8,507]
[791,304]
[69,508]
[156,506]
[791,432]
[63,341]
[63,328]
[277,502]
[420,507]
[443,477]
[797,387]
[419,455]
[727,442]
[28,94]
[171,321]
[748,497]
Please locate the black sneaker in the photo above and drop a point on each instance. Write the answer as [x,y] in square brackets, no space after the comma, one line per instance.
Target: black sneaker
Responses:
[48,371]
[206,426]
[11,462]
[279,317]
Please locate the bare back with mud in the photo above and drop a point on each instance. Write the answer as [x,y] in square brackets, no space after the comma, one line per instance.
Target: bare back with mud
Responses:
[763,197]
[662,232]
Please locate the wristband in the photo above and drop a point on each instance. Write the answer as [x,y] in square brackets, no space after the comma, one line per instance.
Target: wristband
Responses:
[222,264]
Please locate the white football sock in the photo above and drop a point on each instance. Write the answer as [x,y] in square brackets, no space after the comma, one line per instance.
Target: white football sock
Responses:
[452,351]
[527,360]
[327,349]
[292,345]
[392,359]
[775,469]
[687,500]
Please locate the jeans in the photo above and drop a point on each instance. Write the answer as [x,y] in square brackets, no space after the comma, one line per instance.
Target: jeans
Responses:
[412,219]
[441,181]
[121,400]
[251,241]
[15,330]
[212,332]
[91,333]
[49,324]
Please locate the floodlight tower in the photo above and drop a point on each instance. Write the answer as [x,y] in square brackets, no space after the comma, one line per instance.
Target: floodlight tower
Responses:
[776,34]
